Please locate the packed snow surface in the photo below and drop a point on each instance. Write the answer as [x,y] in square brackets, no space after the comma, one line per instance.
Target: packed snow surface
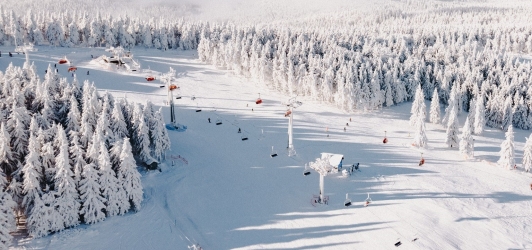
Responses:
[221,192]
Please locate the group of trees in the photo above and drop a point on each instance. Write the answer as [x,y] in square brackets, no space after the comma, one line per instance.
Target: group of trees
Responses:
[365,62]
[472,125]
[79,29]
[68,155]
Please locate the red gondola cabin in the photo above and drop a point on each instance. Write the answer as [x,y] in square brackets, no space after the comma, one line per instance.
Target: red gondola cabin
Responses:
[72,68]
[150,78]
[63,61]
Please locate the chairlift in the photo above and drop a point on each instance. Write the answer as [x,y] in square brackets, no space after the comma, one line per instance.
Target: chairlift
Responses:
[218,122]
[422,161]
[193,98]
[368,201]
[244,138]
[385,138]
[306,171]
[258,101]
[273,154]
[288,112]
[347,201]
[178,97]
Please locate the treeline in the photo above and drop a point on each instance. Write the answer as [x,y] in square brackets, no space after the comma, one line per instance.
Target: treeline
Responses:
[369,60]
[80,29]
[68,155]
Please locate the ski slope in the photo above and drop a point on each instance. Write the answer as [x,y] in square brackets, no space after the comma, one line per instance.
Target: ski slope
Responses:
[224,193]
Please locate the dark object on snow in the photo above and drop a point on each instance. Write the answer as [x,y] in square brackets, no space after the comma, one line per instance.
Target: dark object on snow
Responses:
[177,98]
[45,71]
[356,165]
[72,74]
[199,110]
[385,140]
[56,70]
[152,164]
[207,118]
[244,138]
[398,243]
[414,239]
[161,86]
[273,155]
[92,56]
[10,55]
[306,172]
[421,162]
[219,122]
[0,53]
[87,72]
[239,131]
[55,65]
[347,204]
[530,186]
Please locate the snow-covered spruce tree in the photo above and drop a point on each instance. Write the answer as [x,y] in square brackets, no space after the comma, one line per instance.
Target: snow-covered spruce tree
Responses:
[452,104]
[38,222]
[142,139]
[6,155]
[420,135]
[32,174]
[452,129]
[466,140]
[418,107]
[92,205]
[130,176]
[66,202]
[507,113]
[160,142]
[527,154]
[480,114]
[435,109]
[108,183]
[73,120]
[76,157]
[471,115]
[507,153]
[7,220]
[118,124]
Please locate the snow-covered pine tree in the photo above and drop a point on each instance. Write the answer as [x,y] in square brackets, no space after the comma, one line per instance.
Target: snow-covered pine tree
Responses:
[160,142]
[108,182]
[130,176]
[6,155]
[66,202]
[527,154]
[32,174]
[77,158]
[471,115]
[38,221]
[480,114]
[452,104]
[7,220]
[507,113]
[466,140]
[507,153]
[73,120]
[452,129]
[91,200]
[118,124]
[435,116]
[418,107]
[420,135]
[142,139]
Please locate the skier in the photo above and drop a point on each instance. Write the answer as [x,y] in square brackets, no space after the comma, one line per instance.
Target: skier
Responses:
[239,130]
[10,55]
[72,74]
[368,201]
[0,53]
[55,65]
[209,119]
[344,129]
[347,124]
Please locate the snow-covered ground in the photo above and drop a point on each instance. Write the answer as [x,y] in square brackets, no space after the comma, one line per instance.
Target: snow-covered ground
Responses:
[225,193]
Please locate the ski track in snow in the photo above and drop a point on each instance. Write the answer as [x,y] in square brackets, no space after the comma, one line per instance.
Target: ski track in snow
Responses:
[233,195]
